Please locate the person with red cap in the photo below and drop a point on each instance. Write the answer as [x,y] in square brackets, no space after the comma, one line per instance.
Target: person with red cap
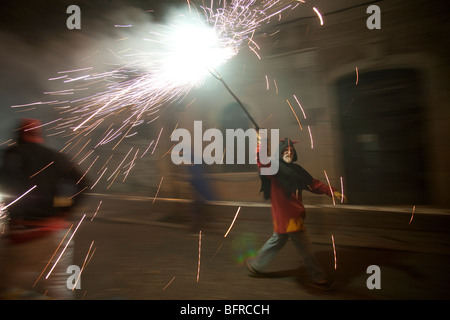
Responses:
[284,189]
[37,222]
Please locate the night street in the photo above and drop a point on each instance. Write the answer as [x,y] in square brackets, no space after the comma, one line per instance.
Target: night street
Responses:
[145,250]
[149,149]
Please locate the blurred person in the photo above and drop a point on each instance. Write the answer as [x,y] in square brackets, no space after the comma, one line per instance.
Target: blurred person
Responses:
[202,193]
[37,222]
[284,189]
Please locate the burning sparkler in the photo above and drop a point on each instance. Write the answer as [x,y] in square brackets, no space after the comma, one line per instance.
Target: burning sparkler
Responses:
[170,60]
[159,66]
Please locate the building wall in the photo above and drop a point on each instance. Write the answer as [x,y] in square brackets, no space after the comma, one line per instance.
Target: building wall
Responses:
[305,60]
[408,38]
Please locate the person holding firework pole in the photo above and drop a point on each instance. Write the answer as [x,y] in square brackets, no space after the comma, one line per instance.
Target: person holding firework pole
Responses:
[284,189]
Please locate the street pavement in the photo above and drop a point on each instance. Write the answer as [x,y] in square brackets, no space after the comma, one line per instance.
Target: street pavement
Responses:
[144,249]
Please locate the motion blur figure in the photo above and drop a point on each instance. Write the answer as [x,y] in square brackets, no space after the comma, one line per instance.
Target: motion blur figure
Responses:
[202,192]
[284,189]
[37,222]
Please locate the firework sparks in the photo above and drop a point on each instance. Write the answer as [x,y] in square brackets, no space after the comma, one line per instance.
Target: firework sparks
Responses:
[87,170]
[42,169]
[157,140]
[319,15]
[54,253]
[310,137]
[199,253]
[85,263]
[7,141]
[301,108]
[172,59]
[92,187]
[276,86]
[156,66]
[147,148]
[113,180]
[118,167]
[65,247]
[412,215]
[217,251]
[131,165]
[17,199]
[232,223]
[329,185]
[79,192]
[334,252]
[95,213]
[226,233]
[169,283]
[292,109]
[157,191]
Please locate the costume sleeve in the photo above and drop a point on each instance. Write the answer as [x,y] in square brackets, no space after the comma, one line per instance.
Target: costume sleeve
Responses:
[319,187]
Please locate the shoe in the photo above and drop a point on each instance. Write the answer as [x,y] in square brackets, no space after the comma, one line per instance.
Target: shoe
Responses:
[252,270]
[324,285]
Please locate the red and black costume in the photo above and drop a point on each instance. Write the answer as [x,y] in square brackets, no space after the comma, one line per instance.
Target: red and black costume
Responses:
[284,189]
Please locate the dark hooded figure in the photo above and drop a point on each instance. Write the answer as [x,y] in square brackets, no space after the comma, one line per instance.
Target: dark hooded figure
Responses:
[30,163]
[41,187]
[284,189]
